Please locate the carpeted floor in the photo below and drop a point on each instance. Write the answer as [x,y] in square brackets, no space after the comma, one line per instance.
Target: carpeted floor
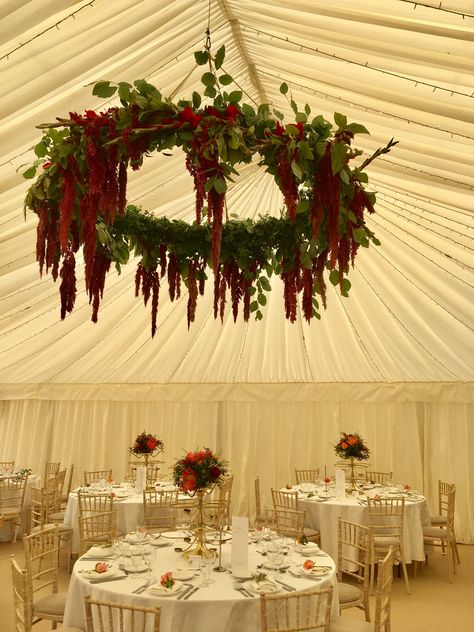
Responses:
[433,606]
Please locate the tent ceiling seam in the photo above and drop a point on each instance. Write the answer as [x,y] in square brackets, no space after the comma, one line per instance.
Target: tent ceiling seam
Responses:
[240,43]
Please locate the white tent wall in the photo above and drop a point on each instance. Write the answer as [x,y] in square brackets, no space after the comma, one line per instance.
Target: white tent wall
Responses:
[394,361]
[262,431]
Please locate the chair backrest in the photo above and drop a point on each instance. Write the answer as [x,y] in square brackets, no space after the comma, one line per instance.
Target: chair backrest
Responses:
[225,493]
[386,516]
[158,509]
[93,503]
[353,551]
[307,476]
[153,469]
[95,476]
[67,491]
[185,513]
[42,559]
[43,502]
[96,528]
[6,467]
[50,469]
[215,513]
[22,598]
[284,500]
[289,522]
[450,501]
[106,616]
[383,594]
[12,494]
[444,489]
[297,611]
[381,478]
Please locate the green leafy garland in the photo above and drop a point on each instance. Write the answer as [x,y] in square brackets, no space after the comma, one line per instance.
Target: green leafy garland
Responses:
[80,198]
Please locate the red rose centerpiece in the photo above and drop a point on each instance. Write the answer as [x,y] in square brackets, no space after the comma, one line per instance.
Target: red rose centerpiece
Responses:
[198,470]
[195,474]
[146,445]
[351,447]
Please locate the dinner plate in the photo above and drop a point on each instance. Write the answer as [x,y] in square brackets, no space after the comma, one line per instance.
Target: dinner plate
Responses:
[316,571]
[129,568]
[158,589]
[91,573]
[266,587]
[242,575]
[99,551]
[132,538]
[175,535]
[309,549]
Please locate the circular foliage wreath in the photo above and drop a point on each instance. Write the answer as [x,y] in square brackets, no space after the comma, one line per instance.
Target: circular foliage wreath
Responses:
[80,198]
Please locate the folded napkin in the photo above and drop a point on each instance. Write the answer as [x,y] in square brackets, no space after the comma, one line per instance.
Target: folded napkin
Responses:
[265,587]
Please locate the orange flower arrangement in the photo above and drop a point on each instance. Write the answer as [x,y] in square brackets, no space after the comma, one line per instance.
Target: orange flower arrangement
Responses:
[352,446]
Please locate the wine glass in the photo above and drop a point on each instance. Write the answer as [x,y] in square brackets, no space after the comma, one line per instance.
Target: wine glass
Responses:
[141,531]
[136,557]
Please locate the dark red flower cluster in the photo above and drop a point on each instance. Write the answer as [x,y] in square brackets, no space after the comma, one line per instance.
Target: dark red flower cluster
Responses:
[198,470]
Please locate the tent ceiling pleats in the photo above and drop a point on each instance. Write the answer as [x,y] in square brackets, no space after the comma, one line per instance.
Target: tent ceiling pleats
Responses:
[402,69]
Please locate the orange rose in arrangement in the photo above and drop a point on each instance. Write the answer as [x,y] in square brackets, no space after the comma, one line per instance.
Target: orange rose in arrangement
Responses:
[351,446]
[201,469]
[188,480]
[101,567]
[344,445]
[167,580]
[352,440]
[146,443]
[308,565]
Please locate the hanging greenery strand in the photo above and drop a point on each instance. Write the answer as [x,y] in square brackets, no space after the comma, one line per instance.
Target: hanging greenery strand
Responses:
[80,198]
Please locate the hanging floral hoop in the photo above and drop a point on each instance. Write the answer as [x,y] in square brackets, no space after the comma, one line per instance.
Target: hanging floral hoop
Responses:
[80,198]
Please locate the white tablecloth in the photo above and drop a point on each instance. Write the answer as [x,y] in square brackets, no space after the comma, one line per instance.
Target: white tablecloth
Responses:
[323,515]
[216,608]
[129,513]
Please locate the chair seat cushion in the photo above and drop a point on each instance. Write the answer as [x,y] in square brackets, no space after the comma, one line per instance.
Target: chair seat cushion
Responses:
[435,532]
[311,533]
[57,516]
[348,593]
[438,520]
[51,605]
[10,512]
[346,624]
[63,529]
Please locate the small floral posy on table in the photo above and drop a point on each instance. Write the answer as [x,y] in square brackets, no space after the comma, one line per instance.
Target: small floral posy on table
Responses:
[146,443]
[199,470]
[352,446]
[167,580]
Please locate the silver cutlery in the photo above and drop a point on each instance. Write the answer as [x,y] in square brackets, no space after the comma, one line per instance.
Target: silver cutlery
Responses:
[143,587]
[188,588]
[287,587]
[191,592]
[243,591]
[108,579]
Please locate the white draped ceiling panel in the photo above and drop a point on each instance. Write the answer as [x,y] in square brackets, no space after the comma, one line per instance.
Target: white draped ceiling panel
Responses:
[395,360]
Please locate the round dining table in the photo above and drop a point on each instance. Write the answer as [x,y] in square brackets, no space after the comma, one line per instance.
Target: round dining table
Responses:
[219,607]
[323,509]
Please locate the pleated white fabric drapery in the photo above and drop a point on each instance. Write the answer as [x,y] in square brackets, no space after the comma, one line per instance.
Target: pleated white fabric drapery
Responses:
[419,442]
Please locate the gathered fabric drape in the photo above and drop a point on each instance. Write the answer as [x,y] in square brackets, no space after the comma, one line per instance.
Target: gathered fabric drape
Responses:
[420,442]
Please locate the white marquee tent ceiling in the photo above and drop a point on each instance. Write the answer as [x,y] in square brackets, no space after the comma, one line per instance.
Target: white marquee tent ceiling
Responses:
[401,68]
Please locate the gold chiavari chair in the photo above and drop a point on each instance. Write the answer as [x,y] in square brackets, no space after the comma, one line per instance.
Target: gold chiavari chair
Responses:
[353,560]
[12,501]
[106,616]
[289,500]
[386,517]
[297,611]
[6,467]
[158,509]
[95,476]
[382,604]
[289,523]
[67,491]
[443,536]
[89,503]
[444,489]
[263,516]
[378,478]
[96,528]
[307,476]
[50,469]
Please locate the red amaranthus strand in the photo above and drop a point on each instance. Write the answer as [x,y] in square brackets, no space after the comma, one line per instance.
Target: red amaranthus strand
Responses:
[235,284]
[101,266]
[52,247]
[199,183]
[174,277]
[122,187]
[163,261]
[222,298]
[217,285]
[216,203]
[319,265]
[288,184]
[307,299]
[66,206]
[41,236]
[88,211]
[155,294]
[289,293]
[192,292]
[358,204]
[343,256]
[328,198]
[67,289]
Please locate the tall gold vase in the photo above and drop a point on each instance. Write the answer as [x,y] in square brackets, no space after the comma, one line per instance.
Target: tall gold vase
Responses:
[198,544]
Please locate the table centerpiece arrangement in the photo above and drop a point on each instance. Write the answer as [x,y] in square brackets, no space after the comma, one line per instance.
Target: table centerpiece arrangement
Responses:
[197,474]
[146,445]
[351,447]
